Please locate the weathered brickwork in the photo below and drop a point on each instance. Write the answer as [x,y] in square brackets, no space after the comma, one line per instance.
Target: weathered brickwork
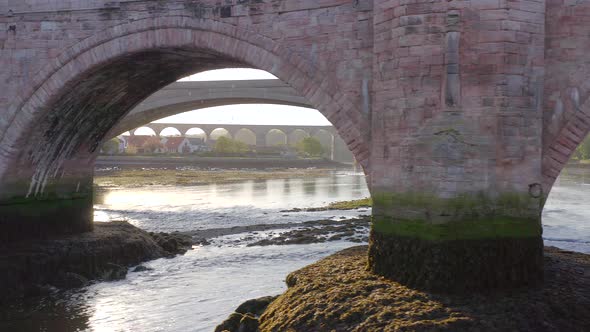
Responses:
[567,87]
[462,112]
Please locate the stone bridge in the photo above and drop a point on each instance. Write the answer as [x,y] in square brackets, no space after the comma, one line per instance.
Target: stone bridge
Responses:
[259,132]
[461,112]
[182,97]
[262,135]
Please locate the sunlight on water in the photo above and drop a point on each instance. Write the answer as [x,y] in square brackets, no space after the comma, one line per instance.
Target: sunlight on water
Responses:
[161,208]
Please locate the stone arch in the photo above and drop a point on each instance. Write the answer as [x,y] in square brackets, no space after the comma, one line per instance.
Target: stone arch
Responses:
[144,131]
[572,120]
[197,132]
[173,36]
[170,132]
[216,133]
[296,136]
[276,137]
[245,135]
[80,96]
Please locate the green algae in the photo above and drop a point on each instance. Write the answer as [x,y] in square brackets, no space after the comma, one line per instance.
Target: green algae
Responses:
[351,205]
[464,202]
[483,228]
[467,216]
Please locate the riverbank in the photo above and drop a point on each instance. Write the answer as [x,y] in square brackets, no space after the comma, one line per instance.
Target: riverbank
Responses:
[126,162]
[339,294]
[191,177]
[38,267]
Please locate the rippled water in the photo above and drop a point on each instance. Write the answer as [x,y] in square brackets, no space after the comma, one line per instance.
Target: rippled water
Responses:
[197,291]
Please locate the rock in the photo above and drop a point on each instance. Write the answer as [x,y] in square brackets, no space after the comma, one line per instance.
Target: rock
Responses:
[72,261]
[245,319]
[69,280]
[248,324]
[232,323]
[255,307]
[141,268]
[113,272]
[338,293]
[174,243]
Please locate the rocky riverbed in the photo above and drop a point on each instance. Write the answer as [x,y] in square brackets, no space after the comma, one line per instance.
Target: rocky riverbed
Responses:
[339,294]
[37,267]
[316,231]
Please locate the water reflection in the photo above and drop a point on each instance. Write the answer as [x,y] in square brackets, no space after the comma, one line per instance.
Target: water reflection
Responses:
[161,208]
[334,188]
[309,187]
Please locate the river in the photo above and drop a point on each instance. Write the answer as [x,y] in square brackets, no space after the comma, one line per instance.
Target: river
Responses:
[198,290]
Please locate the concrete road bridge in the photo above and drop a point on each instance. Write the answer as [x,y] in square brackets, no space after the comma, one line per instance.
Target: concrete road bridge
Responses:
[462,113]
[182,97]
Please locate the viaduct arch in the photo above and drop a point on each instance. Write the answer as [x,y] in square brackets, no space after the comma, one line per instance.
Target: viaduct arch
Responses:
[260,133]
[462,113]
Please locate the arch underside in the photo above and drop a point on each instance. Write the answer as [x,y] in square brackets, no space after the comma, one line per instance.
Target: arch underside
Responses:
[47,155]
[136,120]
[73,110]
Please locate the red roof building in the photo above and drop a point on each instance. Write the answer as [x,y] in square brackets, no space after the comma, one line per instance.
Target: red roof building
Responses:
[176,144]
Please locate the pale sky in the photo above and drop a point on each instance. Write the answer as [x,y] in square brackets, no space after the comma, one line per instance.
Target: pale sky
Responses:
[250,113]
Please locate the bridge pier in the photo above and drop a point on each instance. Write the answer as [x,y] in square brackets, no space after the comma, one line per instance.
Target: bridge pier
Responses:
[455,163]
[56,206]
[260,139]
[468,242]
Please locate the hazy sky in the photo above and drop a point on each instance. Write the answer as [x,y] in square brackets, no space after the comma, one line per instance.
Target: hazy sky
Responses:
[246,114]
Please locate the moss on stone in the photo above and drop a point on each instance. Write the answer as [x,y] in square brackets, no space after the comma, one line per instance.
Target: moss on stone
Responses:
[482,228]
[476,203]
[467,216]
[40,218]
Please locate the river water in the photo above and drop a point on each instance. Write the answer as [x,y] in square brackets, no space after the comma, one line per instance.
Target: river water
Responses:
[198,290]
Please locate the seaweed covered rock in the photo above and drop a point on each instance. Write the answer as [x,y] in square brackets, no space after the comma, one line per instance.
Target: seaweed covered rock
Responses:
[72,261]
[173,243]
[338,293]
[245,319]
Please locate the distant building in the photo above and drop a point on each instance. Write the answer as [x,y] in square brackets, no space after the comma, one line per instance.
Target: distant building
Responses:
[176,145]
[136,144]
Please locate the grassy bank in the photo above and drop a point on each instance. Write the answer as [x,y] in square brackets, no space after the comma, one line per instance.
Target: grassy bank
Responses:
[351,205]
[172,177]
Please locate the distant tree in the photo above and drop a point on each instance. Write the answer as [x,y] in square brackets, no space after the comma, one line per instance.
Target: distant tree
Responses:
[111,146]
[310,146]
[152,145]
[226,145]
